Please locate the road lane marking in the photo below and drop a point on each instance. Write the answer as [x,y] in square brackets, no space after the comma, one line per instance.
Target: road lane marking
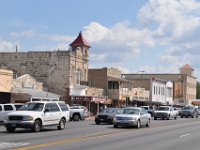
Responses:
[70,140]
[184,135]
[92,136]
[4,145]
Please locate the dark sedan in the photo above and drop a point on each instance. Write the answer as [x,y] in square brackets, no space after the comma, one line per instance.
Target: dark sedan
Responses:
[189,112]
[107,115]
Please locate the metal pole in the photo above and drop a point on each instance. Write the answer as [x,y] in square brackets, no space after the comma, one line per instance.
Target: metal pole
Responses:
[89,109]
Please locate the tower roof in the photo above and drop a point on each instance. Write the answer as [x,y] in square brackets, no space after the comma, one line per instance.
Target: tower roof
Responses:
[79,41]
[187,66]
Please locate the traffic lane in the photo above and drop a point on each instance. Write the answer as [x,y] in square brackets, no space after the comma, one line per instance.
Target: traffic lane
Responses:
[177,137]
[73,129]
[110,132]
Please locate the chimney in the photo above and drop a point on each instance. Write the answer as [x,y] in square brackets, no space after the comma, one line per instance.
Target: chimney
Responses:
[16,48]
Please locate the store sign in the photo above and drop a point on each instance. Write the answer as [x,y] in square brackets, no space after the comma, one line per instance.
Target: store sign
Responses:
[181,101]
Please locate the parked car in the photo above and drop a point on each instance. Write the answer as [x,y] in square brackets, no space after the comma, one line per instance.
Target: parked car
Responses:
[189,112]
[38,114]
[132,116]
[6,108]
[149,109]
[78,113]
[165,112]
[178,109]
[107,115]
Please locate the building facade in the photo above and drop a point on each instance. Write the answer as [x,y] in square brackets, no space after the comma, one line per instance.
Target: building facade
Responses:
[159,91]
[64,72]
[59,71]
[110,80]
[184,84]
[6,77]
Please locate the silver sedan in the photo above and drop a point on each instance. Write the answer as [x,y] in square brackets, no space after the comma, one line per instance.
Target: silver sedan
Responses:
[132,116]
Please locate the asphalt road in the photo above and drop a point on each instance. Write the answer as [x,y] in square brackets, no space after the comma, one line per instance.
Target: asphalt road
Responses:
[180,134]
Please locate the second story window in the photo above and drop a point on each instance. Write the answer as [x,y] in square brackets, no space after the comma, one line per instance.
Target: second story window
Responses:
[113,85]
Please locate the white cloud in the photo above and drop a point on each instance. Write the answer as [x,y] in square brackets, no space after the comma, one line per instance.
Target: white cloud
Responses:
[168,35]
[6,46]
[176,25]
[60,38]
[27,34]
[33,34]
[118,43]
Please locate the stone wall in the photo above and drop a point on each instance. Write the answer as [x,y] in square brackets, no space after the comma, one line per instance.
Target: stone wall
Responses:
[51,67]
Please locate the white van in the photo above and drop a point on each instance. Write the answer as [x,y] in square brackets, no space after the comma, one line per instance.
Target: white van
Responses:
[6,108]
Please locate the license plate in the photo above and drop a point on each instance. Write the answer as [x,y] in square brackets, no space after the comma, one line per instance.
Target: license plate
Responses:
[13,125]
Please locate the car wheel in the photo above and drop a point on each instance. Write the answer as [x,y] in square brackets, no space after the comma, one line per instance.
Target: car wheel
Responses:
[148,123]
[115,126]
[37,126]
[181,116]
[175,117]
[83,118]
[110,121]
[168,117]
[61,125]
[10,129]
[138,124]
[155,118]
[197,116]
[76,117]
[97,122]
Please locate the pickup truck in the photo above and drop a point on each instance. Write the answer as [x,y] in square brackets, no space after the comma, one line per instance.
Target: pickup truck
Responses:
[165,112]
[78,113]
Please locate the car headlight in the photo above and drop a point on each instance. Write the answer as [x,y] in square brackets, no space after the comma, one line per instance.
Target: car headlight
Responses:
[27,118]
[114,119]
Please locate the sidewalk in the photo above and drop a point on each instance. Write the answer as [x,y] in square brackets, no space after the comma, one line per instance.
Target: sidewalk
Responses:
[90,118]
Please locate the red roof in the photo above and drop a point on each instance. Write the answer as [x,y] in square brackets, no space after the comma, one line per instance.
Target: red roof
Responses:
[79,41]
[187,66]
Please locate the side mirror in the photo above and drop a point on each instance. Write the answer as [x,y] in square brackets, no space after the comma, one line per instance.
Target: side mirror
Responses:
[46,110]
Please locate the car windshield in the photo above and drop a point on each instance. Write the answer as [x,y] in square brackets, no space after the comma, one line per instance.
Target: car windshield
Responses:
[130,111]
[145,107]
[108,111]
[32,107]
[163,108]
[187,108]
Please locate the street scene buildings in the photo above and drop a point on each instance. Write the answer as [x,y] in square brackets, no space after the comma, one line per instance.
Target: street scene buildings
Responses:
[65,75]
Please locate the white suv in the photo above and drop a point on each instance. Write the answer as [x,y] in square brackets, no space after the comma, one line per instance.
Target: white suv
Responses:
[38,114]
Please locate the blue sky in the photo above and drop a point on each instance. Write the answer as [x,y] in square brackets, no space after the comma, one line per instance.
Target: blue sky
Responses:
[157,36]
